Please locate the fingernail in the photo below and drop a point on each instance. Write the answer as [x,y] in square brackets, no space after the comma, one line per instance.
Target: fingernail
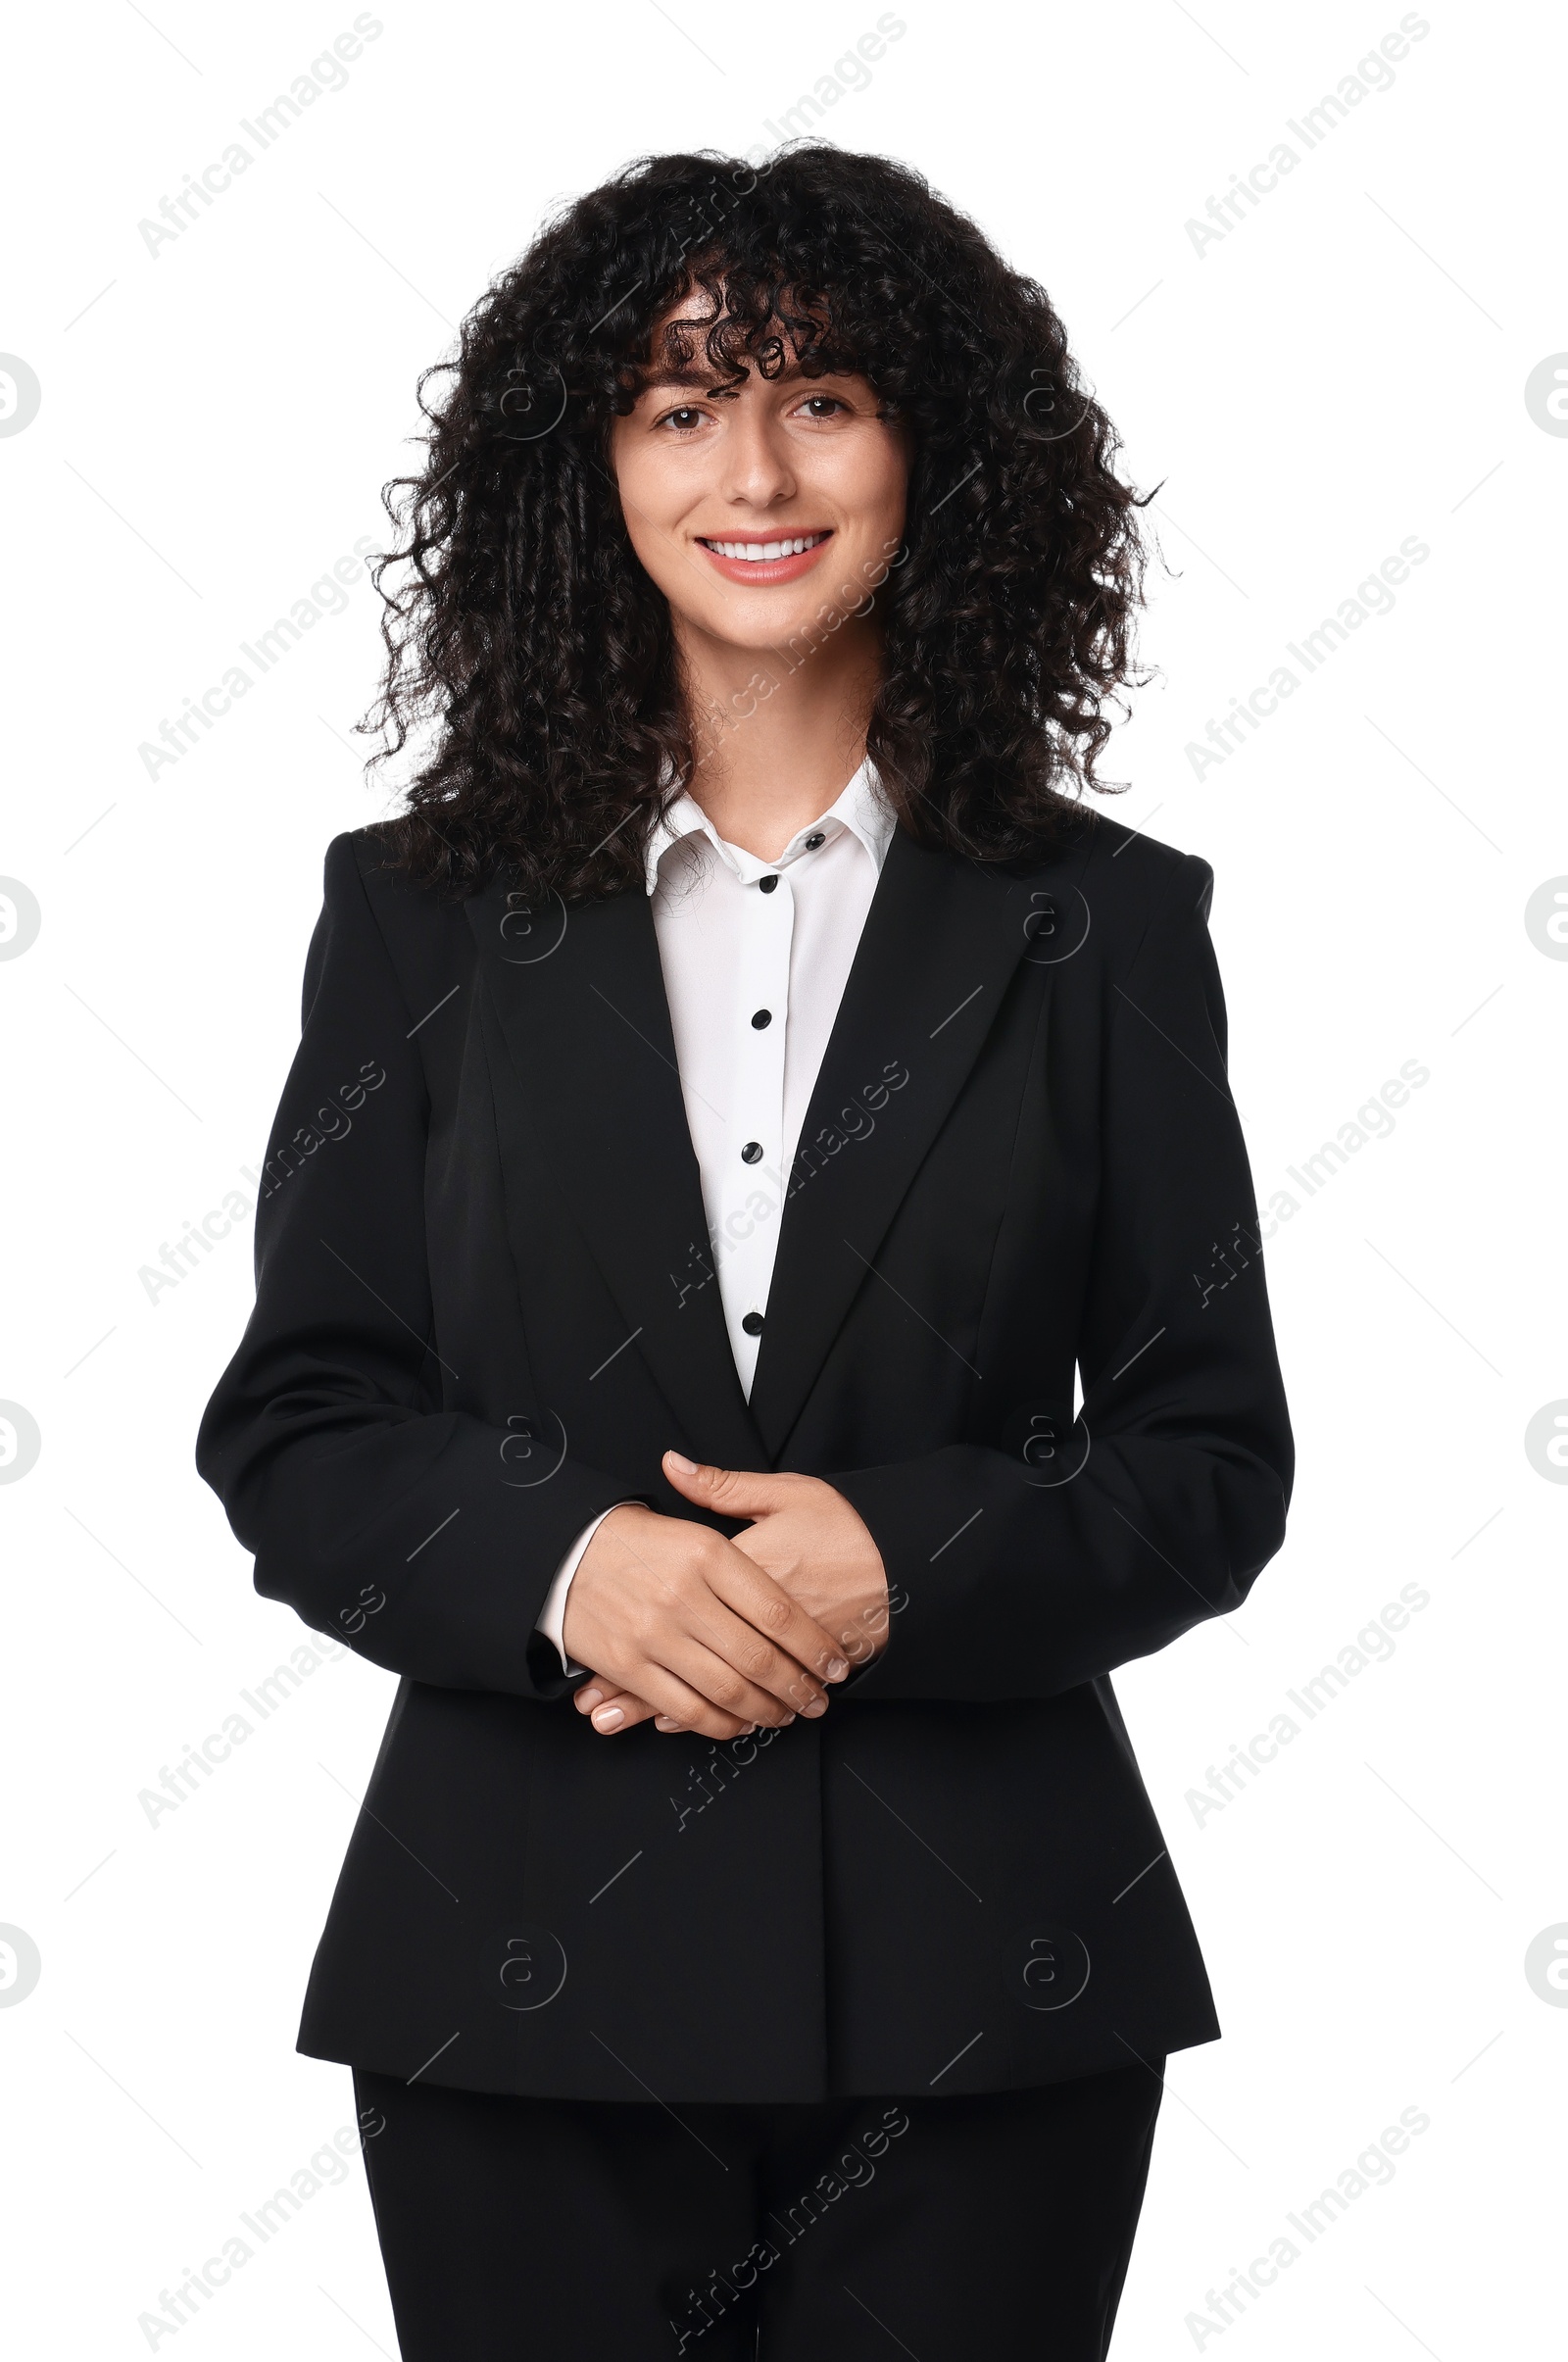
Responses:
[590,1697]
[608,1718]
[818,1706]
[662,1722]
[678,1460]
[785,1724]
[836,1668]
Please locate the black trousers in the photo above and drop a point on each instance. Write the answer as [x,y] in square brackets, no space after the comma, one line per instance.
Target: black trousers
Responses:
[997,2224]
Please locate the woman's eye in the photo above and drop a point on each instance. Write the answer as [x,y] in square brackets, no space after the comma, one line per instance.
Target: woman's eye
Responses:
[821,406]
[683,420]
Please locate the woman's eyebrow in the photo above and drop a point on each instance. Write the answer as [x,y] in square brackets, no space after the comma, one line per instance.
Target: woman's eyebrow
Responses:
[680,381]
[660,388]
[697,380]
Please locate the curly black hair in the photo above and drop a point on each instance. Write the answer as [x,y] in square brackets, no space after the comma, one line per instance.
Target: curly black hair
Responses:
[531,658]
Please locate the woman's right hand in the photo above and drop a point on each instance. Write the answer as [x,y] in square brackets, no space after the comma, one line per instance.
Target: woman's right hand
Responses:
[670,1611]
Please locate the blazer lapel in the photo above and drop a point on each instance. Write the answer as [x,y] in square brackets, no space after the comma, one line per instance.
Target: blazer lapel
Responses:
[580,1001]
[940,945]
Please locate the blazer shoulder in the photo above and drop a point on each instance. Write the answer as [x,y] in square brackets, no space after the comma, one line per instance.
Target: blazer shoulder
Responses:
[1129,878]
[362,864]
[367,853]
[373,900]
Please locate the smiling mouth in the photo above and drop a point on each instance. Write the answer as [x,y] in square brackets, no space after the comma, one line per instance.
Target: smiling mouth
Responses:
[763,553]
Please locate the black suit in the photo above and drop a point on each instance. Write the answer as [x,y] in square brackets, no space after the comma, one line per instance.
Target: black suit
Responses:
[1021,1153]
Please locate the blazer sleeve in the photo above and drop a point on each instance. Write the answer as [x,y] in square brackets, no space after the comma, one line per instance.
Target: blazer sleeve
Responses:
[381,1517]
[1179,1472]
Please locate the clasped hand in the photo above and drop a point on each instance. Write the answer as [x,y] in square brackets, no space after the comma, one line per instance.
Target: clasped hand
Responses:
[694,1631]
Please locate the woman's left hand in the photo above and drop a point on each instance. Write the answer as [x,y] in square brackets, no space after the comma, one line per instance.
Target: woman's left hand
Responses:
[807,1537]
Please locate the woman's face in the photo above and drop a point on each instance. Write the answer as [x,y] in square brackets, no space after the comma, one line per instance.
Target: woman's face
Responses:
[720,489]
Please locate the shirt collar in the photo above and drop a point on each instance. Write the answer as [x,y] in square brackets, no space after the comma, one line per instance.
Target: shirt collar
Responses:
[861,809]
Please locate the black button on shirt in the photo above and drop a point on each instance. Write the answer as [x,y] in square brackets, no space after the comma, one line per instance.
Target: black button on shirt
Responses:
[812,842]
[766,885]
[752,1153]
[762,1021]
[752,1323]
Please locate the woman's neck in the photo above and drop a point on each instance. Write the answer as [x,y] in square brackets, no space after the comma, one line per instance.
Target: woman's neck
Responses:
[778,733]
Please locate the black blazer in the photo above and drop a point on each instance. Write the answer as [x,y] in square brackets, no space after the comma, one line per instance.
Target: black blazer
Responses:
[485,1307]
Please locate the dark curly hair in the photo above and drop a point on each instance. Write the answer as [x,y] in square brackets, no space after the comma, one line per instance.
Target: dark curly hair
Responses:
[533,659]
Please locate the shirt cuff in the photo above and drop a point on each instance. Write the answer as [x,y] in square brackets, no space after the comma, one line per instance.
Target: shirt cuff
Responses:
[553,1614]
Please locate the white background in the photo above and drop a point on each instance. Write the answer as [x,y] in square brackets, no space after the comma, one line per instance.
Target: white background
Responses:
[1344,370]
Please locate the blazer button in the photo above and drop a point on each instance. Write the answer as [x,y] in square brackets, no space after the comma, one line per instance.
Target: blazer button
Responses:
[752,1323]
[766,885]
[752,1153]
[762,1019]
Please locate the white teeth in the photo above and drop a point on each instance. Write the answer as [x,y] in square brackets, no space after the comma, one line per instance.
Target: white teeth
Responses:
[758,553]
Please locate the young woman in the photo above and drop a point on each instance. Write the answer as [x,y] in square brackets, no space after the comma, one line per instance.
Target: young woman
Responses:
[736,1094]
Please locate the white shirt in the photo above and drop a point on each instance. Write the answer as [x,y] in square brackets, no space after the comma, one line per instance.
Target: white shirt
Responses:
[753,974]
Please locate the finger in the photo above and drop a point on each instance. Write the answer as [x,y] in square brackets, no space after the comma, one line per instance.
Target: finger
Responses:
[684,1709]
[854,1638]
[758,1677]
[712,1674]
[741,1641]
[599,1691]
[609,1705]
[769,1609]
[701,1614]
[659,1692]
[621,1712]
[732,1491]
[664,1722]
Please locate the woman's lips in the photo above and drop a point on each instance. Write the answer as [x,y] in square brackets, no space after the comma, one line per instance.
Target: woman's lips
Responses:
[765,570]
